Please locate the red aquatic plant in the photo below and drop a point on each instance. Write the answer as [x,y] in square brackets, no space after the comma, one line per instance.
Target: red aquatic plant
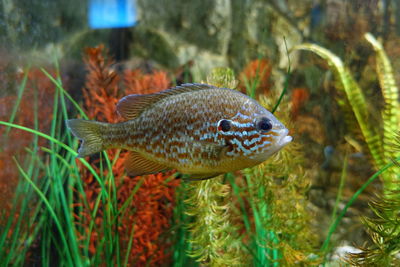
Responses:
[154,203]
[35,105]
[101,87]
[257,73]
[149,212]
[33,109]
[299,98]
[138,83]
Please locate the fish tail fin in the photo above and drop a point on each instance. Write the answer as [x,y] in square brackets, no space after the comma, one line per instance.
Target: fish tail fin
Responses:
[90,134]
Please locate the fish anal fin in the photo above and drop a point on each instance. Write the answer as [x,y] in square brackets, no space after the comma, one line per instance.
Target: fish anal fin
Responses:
[137,165]
[132,106]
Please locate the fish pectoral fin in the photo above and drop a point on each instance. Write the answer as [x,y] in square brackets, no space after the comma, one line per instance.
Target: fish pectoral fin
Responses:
[137,165]
[200,177]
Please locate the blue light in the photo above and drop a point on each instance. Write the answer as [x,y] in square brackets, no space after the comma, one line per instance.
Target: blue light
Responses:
[112,13]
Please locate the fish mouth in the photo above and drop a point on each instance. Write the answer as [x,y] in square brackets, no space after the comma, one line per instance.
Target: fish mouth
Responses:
[284,137]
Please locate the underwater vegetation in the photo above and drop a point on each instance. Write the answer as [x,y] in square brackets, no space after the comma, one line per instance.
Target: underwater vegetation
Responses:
[88,220]
[87,212]
[379,138]
[68,211]
[152,205]
[382,141]
[383,228]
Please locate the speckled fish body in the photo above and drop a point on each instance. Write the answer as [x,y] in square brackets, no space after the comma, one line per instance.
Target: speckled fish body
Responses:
[197,129]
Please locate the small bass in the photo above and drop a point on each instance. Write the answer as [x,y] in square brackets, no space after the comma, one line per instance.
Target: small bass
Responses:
[198,129]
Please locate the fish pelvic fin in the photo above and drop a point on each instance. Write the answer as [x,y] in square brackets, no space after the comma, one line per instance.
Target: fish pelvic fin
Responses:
[90,134]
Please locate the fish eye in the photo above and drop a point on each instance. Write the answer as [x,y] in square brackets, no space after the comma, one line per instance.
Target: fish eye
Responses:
[224,125]
[264,124]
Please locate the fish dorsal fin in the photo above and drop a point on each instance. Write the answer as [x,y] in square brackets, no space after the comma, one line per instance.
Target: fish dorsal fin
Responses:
[137,165]
[132,106]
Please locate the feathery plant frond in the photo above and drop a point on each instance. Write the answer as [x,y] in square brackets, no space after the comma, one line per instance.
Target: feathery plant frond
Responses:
[379,142]
[212,236]
[384,227]
[384,231]
[222,77]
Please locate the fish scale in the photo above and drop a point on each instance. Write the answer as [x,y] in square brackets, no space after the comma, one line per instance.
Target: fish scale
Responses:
[179,129]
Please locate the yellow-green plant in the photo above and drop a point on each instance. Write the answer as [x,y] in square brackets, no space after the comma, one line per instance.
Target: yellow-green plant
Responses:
[384,231]
[383,228]
[379,141]
[222,77]
[213,237]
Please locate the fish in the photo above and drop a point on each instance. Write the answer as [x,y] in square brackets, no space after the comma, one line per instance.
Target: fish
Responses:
[200,130]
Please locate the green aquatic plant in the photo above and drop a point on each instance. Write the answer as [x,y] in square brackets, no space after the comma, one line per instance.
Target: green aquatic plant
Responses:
[181,245]
[222,77]
[384,231]
[213,238]
[353,198]
[52,221]
[383,228]
[379,141]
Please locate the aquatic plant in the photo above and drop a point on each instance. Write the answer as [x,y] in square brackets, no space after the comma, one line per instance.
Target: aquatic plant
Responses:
[378,139]
[143,228]
[381,140]
[69,211]
[138,83]
[299,98]
[13,145]
[42,203]
[222,77]
[101,91]
[255,78]
[383,228]
[213,237]
[384,231]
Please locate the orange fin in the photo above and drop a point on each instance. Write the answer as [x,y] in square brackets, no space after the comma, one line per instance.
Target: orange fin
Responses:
[137,165]
[132,106]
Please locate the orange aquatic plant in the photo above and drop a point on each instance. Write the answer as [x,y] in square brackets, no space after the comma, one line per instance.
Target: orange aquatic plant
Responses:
[149,213]
[138,83]
[299,97]
[36,104]
[33,110]
[256,73]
